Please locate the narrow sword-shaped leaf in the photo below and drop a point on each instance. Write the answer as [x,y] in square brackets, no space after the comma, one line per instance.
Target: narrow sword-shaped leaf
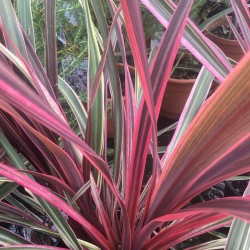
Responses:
[101,212]
[237,35]
[11,25]
[96,112]
[80,192]
[218,112]
[68,167]
[195,100]
[181,230]
[50,44]
[239,233]
[211,245]
[134,28]
[43,193]
[25,18]
[116,93]
[9,238]
[192,39]
[163,63]
[55,214]
[224,206]
[243,18]
[75,104]
[31,223]
[32,102]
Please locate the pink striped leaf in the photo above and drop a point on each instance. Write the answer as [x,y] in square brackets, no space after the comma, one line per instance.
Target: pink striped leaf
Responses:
[186,229]
[163,63]
[242,14]
[30,247]
[42,192]
[224,206]
[237,35]
[50,44]
[193,39]
[204,149]
[9,238]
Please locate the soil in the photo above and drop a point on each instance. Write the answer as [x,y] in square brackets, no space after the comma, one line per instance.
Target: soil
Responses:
[225,32]
[209,9]
[186,67]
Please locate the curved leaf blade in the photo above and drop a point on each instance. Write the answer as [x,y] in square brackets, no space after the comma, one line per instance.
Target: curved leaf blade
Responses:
[216,115]
[9,238]
[48,196]
[192,39]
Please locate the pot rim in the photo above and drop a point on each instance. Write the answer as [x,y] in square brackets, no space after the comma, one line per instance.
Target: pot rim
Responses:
[181,81]
[216,23]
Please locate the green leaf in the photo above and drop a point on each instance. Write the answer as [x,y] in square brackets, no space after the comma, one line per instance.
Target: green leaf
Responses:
[211,245]
[9,238]
[34,225]
[75,104]
[12,27]
[61,224]
[6,188]
[81,192]
[239,233]
[63,227]
[96,112]
[117,105]
[193,39]
[25,18]
[196,99]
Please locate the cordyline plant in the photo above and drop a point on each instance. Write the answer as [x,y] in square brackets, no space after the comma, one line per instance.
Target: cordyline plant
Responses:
[70,190]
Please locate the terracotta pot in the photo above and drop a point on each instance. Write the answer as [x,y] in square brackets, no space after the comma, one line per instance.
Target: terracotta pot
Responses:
[231,48]
[175,97]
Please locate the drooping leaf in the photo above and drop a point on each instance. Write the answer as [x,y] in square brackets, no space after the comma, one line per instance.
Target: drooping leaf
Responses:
[43,193]
[206,160]
[55,214]
[181,230]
